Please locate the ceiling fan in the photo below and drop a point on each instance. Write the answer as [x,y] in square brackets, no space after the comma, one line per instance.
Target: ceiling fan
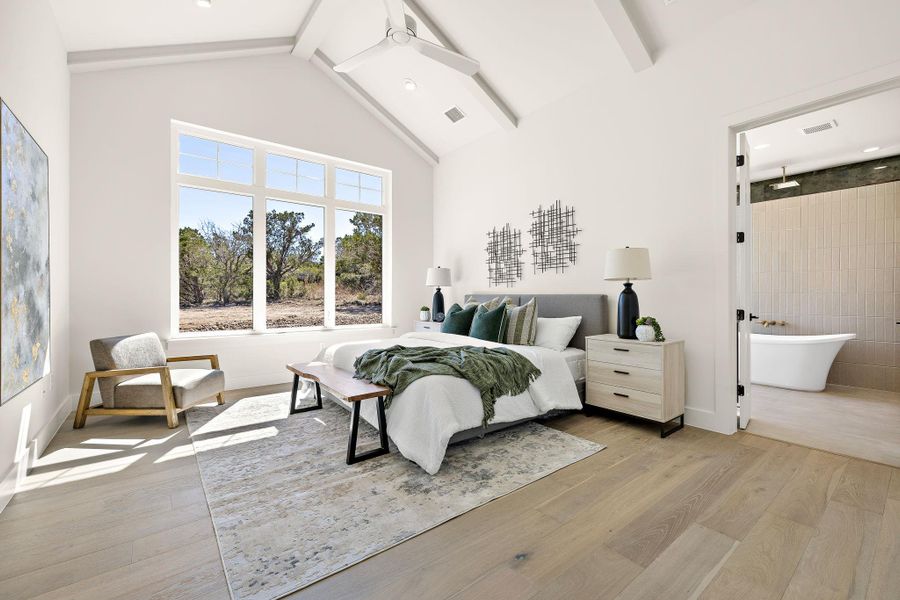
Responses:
[401,33]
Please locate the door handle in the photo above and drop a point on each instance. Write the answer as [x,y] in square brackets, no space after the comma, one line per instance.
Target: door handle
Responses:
[753,317]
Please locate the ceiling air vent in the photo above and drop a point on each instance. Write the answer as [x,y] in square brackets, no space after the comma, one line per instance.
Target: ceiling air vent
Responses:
[818,128]
[454,114]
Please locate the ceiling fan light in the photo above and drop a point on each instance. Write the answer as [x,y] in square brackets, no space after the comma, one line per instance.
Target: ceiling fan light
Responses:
[204,3]
[409,85]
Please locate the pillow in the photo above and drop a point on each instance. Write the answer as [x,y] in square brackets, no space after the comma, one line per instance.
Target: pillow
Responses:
[458,320]
[522,324]
[556,333]
[488,324]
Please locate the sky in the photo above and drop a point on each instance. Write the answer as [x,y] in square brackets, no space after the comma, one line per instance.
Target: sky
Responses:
[224,209]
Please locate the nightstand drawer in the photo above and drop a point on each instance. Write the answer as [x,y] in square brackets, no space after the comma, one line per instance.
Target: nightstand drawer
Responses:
[647,356]
[428,326]
[635,378]
[625,400]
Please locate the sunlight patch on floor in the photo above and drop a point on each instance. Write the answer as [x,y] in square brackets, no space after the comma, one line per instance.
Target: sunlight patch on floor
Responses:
[78,473]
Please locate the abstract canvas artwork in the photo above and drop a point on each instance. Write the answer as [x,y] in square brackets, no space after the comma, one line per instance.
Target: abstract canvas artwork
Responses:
[553,232]
[504,251]
[25,257]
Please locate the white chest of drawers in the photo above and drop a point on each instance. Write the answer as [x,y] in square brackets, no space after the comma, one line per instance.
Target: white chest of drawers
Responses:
[644,379]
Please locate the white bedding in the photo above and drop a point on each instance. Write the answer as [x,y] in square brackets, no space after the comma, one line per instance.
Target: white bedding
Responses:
[575,360]
[423,418]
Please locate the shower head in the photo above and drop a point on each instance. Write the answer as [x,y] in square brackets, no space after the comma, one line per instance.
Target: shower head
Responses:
[784,183]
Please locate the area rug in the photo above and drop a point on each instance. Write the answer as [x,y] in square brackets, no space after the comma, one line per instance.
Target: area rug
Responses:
[289,511]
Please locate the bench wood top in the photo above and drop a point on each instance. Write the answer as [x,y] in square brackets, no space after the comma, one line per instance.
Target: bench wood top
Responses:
[339,382]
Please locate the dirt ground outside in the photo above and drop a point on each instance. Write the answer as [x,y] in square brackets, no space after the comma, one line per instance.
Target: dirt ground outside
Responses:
[294,312]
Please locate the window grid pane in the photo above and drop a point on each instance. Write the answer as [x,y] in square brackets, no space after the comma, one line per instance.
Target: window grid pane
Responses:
[295,175]
[215,260]
[353,186]
[295,265]
[217,160]
[358,268]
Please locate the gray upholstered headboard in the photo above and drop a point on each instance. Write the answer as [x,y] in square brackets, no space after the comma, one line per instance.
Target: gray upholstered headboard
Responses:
[591,307]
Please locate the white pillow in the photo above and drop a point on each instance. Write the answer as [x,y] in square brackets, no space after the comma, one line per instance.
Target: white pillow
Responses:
[556,333]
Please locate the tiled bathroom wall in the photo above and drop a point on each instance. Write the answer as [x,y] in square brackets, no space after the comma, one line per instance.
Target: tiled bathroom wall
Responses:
[828,263]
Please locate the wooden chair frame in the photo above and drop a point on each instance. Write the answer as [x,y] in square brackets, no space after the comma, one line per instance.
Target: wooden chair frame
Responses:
[170,411]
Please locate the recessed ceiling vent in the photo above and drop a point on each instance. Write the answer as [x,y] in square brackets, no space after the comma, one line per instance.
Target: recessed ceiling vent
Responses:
[818,128]
[454,114]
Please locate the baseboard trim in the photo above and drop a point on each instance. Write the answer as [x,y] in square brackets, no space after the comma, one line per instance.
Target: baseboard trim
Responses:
[35,448]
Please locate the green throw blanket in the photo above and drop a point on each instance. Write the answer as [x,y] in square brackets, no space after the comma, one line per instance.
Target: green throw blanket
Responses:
[494,371]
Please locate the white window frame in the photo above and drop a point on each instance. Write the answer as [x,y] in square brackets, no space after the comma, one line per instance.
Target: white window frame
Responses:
[260,193]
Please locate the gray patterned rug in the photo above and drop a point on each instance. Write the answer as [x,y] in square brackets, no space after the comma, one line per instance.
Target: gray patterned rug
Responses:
[288,511]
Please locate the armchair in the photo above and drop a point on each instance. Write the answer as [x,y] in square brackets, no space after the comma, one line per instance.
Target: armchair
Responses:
[135,379]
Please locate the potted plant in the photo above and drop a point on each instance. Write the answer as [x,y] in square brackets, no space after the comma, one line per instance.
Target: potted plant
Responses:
[424,314]
[648,330]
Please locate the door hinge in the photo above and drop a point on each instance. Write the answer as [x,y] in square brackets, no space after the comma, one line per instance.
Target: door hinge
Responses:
[740,160]
[740,390]
[740,237]
[740,314]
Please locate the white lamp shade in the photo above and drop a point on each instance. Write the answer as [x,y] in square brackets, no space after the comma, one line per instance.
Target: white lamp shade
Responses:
[627,263]
[438,277]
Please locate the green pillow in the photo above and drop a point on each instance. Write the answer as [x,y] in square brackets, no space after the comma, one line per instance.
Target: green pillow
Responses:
[488,324]
[458,320]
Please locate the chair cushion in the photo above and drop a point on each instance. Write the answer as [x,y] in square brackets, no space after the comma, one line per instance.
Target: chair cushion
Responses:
[125,352]
[191,386]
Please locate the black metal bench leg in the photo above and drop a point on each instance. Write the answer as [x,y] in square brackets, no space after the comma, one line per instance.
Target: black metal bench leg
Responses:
[663,432]
[316,406]
[352,456]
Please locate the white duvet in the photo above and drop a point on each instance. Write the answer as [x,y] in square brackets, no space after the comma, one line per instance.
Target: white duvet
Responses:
[423,418]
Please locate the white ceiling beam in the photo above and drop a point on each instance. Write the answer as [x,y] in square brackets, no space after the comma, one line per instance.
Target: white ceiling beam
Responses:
[120,58]
[626,33]
[319,20]
[477,85]
[380,112]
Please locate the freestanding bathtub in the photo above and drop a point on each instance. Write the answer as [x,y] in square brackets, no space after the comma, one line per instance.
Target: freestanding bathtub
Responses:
[796,362]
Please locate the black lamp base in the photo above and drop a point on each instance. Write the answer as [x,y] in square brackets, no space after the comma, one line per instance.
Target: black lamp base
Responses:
[628,313]
[437,306]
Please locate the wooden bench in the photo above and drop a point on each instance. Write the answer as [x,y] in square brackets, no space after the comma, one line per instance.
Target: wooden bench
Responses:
[343,385]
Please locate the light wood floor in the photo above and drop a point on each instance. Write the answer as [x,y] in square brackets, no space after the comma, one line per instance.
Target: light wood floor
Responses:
[852,421]
[116,510]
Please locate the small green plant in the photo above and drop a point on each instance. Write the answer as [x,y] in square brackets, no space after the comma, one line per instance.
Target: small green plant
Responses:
[652,322]
[424,308]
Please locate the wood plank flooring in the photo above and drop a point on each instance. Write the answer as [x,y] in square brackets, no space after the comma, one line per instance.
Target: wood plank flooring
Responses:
[116,510]
[855,422]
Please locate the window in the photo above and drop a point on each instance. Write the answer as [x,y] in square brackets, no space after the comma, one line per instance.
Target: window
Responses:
[207,158]
[215,260]
[295,273]
[300,247]
[295,175]
[357,268]
[354,186]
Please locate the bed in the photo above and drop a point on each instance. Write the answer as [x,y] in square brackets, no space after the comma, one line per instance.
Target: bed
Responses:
[436,411]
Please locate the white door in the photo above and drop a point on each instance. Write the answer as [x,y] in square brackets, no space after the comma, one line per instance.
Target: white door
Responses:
[744,223]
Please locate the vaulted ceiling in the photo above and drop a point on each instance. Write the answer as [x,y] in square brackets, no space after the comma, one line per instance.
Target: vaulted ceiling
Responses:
[531,52]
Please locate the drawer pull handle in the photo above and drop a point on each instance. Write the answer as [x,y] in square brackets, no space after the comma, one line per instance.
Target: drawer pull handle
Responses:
[621,372]
[620,395]
[621,349]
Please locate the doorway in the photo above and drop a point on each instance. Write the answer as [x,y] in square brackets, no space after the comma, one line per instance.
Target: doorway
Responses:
[818,278]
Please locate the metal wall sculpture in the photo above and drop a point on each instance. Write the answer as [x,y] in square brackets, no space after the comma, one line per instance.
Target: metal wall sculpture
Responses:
[553,232]
[504,251]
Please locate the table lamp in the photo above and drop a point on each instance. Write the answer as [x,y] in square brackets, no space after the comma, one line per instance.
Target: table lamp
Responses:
[437,277]
[627,264]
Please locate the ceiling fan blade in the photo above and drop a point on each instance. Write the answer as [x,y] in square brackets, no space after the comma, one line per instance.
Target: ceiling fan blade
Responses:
[396,16]
[364,56]
[461,63]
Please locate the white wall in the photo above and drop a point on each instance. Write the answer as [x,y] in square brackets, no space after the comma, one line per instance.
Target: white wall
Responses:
[34,82]
[121,190]
[643,157]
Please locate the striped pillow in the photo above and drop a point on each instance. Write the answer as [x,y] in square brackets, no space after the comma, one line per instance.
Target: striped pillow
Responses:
[522,324]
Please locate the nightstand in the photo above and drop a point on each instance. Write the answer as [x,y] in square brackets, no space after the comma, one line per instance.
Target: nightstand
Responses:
[643,379]
[427,326]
